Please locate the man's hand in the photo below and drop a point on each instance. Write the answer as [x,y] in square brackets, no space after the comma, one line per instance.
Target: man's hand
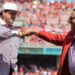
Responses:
[29,31]
[20,33]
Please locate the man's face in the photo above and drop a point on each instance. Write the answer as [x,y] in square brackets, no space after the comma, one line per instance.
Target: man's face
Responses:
[72,17]
[9,16]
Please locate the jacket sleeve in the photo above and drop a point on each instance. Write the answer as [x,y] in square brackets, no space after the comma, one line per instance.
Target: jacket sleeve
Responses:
[6,33]
[57,39]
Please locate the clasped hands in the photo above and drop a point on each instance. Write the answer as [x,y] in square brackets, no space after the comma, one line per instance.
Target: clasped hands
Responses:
[27,31]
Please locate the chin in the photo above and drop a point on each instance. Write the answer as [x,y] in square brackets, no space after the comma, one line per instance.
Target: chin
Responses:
[10,24]
[73,22]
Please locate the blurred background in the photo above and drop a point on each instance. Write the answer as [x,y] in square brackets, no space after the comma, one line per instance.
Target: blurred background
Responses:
[36,56]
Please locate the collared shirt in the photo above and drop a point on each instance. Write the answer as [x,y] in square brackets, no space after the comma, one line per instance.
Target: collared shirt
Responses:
[6,36]
[9,46]
[71,58]
[2,22]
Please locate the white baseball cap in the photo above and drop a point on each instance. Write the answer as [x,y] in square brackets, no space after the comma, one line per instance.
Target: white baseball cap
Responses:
[10,6]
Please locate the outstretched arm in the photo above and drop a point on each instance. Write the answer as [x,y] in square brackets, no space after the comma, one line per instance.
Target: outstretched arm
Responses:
[57,39]
[6,33]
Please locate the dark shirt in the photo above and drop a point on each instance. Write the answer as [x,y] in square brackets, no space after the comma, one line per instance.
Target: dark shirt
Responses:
[65,69]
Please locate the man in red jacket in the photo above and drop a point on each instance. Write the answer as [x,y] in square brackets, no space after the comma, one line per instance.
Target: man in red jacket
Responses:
[67,61]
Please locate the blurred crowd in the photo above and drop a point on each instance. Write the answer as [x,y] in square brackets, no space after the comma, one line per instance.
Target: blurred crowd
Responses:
[34,70]
[47,16]
[51,17]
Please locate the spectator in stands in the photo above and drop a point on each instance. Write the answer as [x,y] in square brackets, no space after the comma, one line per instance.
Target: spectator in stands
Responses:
[67,40]
[9,38]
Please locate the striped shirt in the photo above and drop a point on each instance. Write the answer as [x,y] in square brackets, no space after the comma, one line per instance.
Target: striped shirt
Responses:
[9,45]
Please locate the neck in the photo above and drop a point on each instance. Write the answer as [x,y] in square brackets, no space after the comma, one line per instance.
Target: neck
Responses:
[3,18]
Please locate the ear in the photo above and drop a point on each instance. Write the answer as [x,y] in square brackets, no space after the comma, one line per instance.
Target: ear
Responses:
[4,13]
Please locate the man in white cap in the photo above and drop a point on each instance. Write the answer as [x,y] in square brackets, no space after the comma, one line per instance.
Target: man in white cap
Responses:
[9,38]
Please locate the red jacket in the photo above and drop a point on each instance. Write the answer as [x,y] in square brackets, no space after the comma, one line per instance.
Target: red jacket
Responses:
[64,40]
